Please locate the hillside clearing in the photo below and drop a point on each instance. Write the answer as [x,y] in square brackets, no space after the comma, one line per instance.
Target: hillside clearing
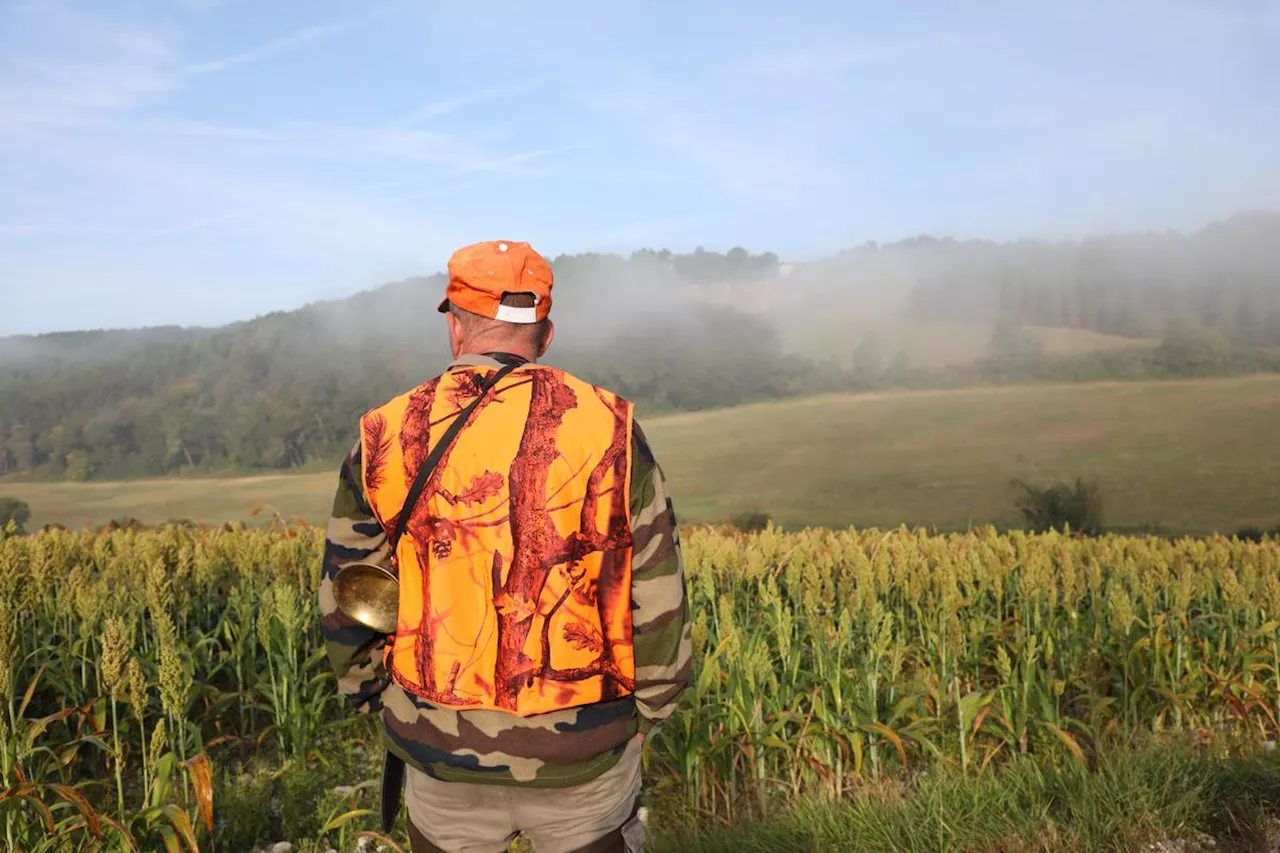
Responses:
[931,344]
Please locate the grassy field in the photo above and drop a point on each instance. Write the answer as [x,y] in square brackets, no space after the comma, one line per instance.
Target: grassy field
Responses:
[1196,456]
[1152,799]
[935,344]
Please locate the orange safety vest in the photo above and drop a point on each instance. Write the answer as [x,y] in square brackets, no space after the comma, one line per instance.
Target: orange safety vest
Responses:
[515,570]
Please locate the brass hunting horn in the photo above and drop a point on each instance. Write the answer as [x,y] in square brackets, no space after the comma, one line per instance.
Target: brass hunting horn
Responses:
[369,594]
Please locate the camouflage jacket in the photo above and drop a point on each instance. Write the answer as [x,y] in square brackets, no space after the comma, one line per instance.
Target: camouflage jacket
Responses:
[556,749]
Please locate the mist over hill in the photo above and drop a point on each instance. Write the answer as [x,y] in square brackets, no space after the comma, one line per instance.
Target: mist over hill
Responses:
[670,331]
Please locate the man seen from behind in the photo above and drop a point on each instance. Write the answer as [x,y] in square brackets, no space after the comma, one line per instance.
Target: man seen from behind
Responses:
[542,624]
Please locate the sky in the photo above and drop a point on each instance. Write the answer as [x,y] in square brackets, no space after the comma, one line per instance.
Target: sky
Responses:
[196,162]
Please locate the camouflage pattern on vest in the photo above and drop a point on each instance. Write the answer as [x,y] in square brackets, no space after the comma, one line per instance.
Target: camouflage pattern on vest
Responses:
[515,580]
[555,749]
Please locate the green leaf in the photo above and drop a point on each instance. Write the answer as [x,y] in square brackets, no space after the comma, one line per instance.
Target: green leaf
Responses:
[379,837]
[40,726]
[178,818]
[160,782]
[855,744]
[68,755]
[891,736]
[970,705]
[343,819]
[75,798]
[1068,740]
[122,831]
[31,690]
[171,843]
[29,798]
[98,716]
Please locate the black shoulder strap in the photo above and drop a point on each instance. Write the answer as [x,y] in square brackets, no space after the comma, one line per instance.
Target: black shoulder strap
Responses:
[433,459]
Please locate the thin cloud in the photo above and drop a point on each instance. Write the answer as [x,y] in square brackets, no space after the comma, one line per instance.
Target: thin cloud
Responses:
[98,83]
[23,230]
[40,230]
[684,124]
[800,66]
[742,165]
[278,46]
[504,171]
[288,211]
[186,127]
[67,67]
[355,143]
[449,105]
[203,224]
[514,163]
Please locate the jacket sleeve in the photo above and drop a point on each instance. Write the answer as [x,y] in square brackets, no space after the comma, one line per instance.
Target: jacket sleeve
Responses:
[661,630]
[354,534]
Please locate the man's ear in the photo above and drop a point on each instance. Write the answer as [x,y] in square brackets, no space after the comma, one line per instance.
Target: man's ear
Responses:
[455,333]
[548,333]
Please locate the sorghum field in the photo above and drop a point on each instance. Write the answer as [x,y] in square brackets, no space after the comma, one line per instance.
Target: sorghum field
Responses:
[166,689]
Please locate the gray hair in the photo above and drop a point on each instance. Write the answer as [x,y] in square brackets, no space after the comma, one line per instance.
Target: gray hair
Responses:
[484,327]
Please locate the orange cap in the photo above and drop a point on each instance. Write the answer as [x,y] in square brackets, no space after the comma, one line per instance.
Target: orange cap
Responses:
[480,274]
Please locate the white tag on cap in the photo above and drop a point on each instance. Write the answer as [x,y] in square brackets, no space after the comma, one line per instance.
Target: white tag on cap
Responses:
[512,314]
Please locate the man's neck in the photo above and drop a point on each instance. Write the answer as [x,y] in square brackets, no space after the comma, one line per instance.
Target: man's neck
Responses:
[498,354]
[507,357]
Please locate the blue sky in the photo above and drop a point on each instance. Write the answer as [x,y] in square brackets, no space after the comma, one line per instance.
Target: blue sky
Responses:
[202,161]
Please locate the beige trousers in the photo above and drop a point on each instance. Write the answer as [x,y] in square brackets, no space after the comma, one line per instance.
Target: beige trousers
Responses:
[459,817]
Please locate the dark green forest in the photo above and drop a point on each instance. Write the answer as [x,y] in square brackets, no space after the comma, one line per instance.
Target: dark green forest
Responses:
[285,390]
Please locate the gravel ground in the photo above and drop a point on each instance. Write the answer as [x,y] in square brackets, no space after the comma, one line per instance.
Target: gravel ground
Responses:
[1269,842]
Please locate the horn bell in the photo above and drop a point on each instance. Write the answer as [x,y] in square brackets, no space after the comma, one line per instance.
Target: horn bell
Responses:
[368,594]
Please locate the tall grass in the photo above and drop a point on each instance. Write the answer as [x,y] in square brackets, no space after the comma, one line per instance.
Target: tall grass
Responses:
[1144,797]
[140,668]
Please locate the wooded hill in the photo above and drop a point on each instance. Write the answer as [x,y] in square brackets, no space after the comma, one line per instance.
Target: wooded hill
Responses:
[285,389]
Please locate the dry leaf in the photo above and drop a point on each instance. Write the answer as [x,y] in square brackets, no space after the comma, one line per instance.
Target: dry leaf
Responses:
[582,637]
[484,486]
[518,605]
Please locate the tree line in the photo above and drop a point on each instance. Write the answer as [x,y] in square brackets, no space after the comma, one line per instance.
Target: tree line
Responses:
[285,390]
[1225,277]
